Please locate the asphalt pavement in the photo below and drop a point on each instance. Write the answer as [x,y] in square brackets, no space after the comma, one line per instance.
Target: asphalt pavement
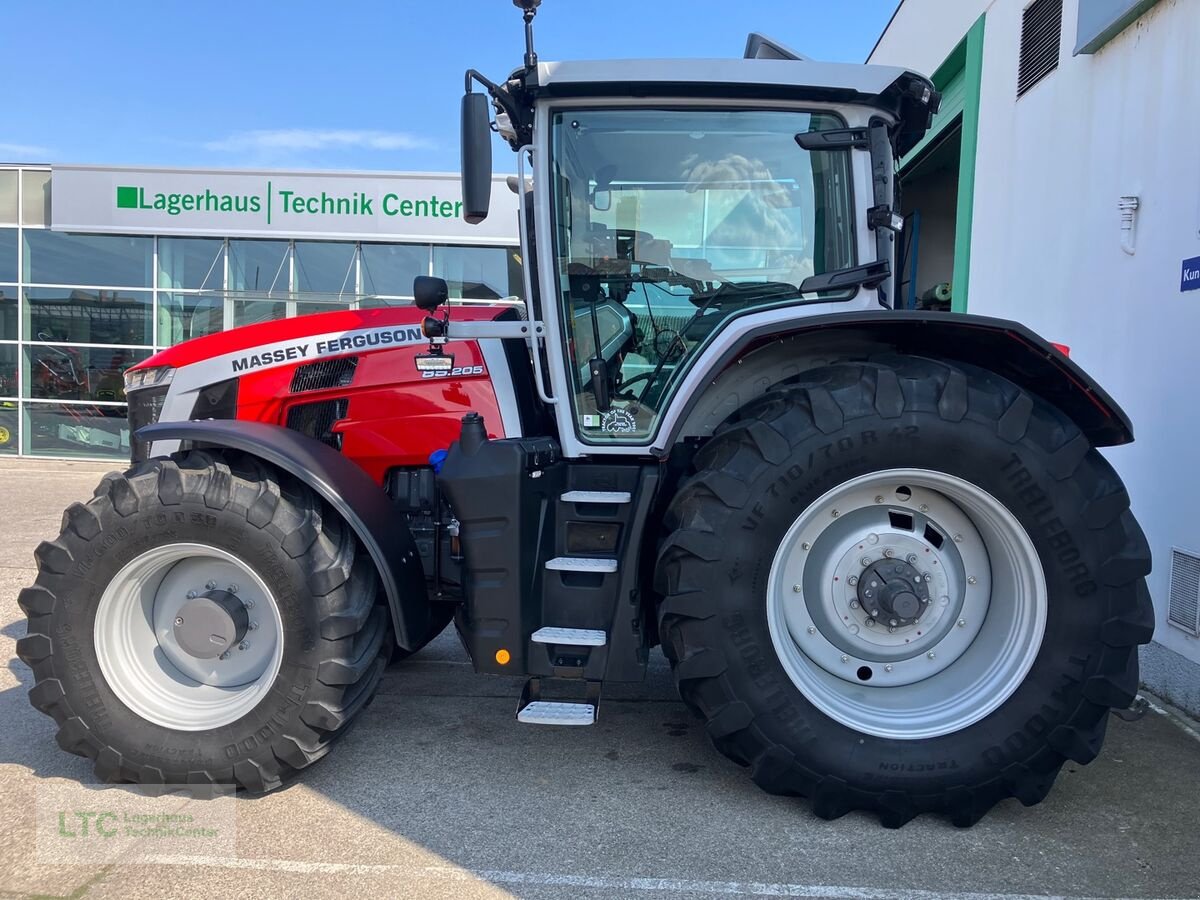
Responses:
[439,792]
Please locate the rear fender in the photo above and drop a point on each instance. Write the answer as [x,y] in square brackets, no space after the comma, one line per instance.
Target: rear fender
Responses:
[756,358]
[345,487]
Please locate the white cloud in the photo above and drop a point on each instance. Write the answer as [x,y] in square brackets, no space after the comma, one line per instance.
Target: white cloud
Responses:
[24,152]
[284,140]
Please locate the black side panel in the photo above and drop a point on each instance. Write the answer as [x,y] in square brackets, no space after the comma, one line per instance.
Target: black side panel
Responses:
[347,488]
[1007,348]
[503,494]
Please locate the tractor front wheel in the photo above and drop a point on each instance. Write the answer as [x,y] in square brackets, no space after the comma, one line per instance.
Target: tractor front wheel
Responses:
[203,619]
[904,586]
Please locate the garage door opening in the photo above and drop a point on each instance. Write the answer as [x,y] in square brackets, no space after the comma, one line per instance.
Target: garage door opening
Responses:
[929,194]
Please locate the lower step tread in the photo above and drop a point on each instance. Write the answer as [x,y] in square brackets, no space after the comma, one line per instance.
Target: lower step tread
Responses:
[581,564]
[551,712]
[575,637]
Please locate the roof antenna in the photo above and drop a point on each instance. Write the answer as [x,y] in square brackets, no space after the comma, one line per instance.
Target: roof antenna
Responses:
[530,10]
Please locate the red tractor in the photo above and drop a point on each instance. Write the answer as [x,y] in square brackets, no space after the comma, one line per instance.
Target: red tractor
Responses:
[880,548]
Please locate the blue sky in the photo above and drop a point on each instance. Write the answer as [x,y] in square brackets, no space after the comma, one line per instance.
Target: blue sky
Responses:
[351,85]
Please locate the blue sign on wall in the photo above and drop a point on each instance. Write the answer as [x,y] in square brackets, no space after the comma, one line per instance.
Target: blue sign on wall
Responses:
[1189,279]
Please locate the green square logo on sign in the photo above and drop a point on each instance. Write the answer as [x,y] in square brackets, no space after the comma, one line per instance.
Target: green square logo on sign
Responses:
[127,198]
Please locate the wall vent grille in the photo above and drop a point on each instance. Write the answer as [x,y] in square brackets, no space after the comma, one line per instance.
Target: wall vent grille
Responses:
[1183,610]
[1041,35]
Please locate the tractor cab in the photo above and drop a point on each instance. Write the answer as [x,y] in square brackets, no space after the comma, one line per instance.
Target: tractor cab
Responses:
[665,200]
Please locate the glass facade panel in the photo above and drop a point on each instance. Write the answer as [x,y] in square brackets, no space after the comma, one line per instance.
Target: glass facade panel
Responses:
[478,273]
[259,266]
[52,257]
[182,317]
[78,373]
[390,268]
[191,263]
[35,197]
[9,427]
[247,312]
[76,429]
[8,196]
[88,316]
[325,267]
[8,370]
[8,312]
[8,254]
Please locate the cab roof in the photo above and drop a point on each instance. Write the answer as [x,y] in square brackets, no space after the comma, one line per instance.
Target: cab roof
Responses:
[910,98]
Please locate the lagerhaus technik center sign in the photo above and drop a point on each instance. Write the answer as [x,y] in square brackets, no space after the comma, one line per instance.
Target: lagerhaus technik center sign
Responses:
[362,205]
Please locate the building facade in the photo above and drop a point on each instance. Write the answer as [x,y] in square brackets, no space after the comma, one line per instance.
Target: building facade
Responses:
[1061,188]
[99,267]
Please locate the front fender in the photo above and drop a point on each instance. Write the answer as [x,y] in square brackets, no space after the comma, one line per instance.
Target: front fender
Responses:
[345,487]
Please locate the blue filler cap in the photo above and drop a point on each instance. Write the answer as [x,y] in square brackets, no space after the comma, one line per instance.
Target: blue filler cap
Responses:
[437,458]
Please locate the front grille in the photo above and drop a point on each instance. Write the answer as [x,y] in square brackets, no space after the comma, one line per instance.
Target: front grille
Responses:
[145,406]
[317,419]
[325,373]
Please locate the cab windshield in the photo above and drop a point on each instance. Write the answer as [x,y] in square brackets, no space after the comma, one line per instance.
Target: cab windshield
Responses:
[667,222]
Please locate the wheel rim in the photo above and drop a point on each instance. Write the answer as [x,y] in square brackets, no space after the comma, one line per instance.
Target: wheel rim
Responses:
[147,624]
[964,635]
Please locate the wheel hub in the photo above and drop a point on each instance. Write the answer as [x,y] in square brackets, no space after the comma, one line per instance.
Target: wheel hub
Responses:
[893,592]
[208,625]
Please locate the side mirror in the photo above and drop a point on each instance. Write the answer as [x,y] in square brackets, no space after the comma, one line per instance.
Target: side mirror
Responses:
[476,157]
[602,200]
[429,292]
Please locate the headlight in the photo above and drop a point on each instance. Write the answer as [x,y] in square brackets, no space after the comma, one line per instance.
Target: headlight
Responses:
[144,378]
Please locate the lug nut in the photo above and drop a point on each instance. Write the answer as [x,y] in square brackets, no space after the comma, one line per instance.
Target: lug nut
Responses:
[893,623]
[892,630]
[806,546]
[928,577]
[962,623]
[878,498]
[248,603]
[866,560]
[930,654]
[852,580]
[192,595]
[854,604]
[796,588]
[971,579]
[870,623]
[835,513]
[812,629]
[924,507]
[179,620]
[233,588]
[845,658]
[224,655]
[912,559]
[875,613]
[889,552]
[212,586]
[253,626]
[888,667]
[244,645]
[958,539]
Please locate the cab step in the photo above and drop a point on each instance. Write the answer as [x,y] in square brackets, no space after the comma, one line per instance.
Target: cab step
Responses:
[555,712]
[533,710]
[582,564]
[615,498]
[574,637]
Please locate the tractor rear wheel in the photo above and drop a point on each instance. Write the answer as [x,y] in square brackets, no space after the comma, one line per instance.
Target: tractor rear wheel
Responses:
[904,586]
[203,619]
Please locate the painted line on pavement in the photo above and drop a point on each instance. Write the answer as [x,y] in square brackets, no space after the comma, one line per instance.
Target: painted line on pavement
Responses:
[600,882]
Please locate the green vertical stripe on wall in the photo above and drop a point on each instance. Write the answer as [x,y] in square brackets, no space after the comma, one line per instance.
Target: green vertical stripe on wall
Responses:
[972,79]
